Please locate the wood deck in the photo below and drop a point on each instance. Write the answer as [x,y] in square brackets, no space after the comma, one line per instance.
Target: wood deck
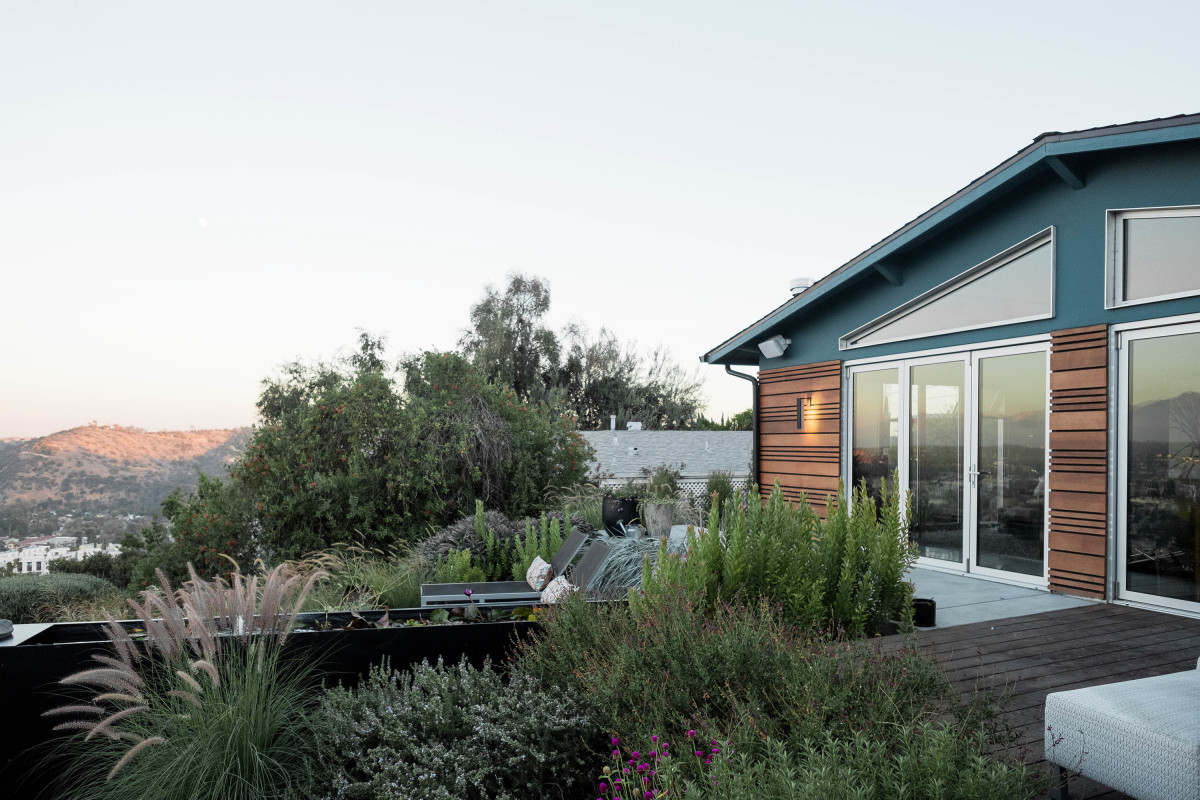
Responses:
[1034,655]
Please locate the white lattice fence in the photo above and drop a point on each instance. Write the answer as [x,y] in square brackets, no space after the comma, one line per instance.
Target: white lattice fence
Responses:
[689,488]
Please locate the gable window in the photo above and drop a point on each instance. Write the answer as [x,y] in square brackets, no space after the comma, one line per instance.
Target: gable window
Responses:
[1153,254]
[1014,286]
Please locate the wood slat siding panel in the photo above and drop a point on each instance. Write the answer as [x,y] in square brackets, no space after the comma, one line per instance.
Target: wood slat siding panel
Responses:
[807,463]
[1078,483]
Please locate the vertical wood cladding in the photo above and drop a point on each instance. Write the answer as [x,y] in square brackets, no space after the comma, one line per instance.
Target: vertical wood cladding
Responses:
[804,460]
[1079,460]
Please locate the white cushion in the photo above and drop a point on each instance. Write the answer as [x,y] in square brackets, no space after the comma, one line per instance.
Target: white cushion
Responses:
[538,574]
[1141,737]
[556,590]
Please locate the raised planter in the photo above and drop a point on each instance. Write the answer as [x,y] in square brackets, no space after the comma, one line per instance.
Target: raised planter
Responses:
[31,669]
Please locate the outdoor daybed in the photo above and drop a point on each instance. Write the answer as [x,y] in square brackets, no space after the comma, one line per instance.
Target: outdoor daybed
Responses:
[1141,737]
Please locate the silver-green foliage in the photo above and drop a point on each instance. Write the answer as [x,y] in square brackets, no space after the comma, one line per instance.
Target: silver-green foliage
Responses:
[844,571]
[451,733]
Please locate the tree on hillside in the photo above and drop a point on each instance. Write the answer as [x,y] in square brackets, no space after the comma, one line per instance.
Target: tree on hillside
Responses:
[343,454]
[591,378]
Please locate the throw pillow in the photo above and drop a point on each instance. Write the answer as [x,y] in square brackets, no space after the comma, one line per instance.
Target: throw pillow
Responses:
[538,574]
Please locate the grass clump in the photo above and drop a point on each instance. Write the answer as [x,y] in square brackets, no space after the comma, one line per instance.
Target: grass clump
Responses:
[205,707]
[451,733]
[358,577]
[39,598]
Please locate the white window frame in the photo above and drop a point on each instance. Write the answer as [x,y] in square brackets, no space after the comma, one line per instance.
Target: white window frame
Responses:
[996,262]
[1119,488]
[970,355]
[1114,252]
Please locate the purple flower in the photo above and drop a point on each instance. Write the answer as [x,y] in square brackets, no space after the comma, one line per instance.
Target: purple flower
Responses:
[654,738]
[691,734]
[467,592]
[615,740]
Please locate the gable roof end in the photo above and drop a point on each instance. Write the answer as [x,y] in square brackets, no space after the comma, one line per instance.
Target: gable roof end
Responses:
[1045,151]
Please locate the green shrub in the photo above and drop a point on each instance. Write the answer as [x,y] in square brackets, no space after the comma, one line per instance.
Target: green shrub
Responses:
[718,490]
[919,763]
[543,540]
[681,665]
[37,598]
[458,567]
[454,733]
[202,709]
[117,570]
[846,571]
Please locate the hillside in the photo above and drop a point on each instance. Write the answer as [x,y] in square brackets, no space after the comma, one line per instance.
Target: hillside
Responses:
[110,468]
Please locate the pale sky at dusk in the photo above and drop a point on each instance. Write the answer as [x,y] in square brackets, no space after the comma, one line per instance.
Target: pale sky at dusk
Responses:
[192,194]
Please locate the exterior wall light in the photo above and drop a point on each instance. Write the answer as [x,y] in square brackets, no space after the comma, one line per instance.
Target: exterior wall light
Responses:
[774,347]
[801,401]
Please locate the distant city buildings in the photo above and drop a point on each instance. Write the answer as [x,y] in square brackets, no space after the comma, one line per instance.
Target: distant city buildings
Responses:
[33,556]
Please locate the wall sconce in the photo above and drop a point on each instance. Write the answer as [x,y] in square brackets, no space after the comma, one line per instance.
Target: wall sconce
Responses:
[801,401]
[774,347]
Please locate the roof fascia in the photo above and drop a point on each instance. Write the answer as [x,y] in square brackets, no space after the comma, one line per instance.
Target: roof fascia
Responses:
[1031,157]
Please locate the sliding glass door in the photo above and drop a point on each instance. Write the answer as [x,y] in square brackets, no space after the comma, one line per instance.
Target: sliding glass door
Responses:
[967,438]
[1010,464]
[1158,503]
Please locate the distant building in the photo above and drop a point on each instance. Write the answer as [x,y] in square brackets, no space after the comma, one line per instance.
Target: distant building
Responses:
[622,456]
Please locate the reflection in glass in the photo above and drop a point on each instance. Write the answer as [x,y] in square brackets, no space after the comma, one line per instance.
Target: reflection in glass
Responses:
[1011,498]
[1163,491]
[1019,289]
[1162,256]
[876,427]
[935,460]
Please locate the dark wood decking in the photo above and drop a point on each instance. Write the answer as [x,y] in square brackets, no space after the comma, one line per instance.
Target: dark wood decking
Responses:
[1031,656]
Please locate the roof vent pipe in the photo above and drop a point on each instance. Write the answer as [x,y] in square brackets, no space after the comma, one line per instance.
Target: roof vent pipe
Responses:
[612,422]
[798,285]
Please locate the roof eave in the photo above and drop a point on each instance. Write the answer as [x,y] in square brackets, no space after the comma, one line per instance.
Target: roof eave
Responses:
[737,349]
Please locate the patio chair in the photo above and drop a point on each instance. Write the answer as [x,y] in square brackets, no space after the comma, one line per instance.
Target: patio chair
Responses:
[492,592]
[1141,737]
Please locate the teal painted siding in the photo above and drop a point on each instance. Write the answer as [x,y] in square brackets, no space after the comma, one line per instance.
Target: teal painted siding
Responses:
[1157,175]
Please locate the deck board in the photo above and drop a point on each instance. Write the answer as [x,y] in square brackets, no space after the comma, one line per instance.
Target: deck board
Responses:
[1029,657]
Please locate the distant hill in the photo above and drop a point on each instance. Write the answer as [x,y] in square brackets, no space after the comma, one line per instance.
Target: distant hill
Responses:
[110,468]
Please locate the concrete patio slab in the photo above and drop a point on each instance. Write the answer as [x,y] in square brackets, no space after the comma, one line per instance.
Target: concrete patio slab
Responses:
[962,599]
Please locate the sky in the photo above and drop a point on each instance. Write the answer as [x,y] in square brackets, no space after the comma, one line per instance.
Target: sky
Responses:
[193,194]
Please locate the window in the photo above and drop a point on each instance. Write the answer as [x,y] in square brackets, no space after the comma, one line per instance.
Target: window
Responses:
[1160,466]
[1153,254]
[1014,286]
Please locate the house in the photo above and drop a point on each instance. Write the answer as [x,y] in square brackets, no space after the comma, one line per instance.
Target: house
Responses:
[622,456]
[1025,357]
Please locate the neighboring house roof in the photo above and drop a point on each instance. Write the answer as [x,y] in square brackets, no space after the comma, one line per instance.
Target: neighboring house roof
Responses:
[624,454]
[1049,151]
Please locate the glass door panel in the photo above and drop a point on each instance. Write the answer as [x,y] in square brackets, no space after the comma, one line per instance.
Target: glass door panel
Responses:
[935,459]
[1162,497]
[876,428]
[1010,499]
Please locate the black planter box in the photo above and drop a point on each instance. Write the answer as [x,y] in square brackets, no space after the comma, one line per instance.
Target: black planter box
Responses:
[30,671]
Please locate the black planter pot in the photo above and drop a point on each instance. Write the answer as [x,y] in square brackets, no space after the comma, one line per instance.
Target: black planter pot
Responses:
[924,612]
[30,672]
[622,510]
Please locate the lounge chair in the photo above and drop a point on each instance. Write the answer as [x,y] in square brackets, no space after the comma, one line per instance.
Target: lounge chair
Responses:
[1141,737]
[492,592]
